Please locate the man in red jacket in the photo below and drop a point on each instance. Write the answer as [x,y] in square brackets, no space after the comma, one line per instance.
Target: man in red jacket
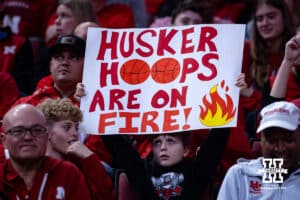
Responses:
[66,67]
[28,173]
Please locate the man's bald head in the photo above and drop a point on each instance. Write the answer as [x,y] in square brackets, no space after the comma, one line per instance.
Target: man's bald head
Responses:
[20,113]
[25,134]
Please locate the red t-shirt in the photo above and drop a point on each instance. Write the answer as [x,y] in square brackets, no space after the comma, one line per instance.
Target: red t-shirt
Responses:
[292,88]
[28,17]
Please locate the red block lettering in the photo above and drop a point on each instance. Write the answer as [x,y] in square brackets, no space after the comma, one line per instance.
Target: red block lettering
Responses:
[105,45]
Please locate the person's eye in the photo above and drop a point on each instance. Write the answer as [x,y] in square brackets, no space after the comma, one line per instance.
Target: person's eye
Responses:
[66,127]
[185,21]
[289,139]
[77,127]
[271,140]
[171,141]
[58,57]
[37,130]
[17,131]
[64,15]
[74,58]
[157,143]
[271,15]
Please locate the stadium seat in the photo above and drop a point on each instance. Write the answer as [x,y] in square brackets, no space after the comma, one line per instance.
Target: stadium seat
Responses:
[123,189]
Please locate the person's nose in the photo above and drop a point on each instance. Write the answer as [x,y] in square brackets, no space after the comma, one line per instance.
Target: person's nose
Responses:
[280,146]
[57,20]
[73,132]
[163,146]
[264,21]
[65,60]
[28,135]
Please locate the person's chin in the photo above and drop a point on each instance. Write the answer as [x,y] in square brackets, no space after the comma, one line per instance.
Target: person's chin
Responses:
[268,35]
[63,77]
[165,163]
[28,156]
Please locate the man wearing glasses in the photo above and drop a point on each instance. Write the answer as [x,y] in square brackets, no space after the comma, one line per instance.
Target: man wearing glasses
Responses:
[28,173]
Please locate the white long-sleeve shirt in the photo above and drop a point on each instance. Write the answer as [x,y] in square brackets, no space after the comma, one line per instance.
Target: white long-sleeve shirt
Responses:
[244,181]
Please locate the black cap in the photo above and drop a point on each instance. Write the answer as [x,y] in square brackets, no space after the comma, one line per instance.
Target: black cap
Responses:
[68,41]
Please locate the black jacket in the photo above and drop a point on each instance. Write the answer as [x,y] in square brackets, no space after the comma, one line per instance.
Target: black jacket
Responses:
[185,181]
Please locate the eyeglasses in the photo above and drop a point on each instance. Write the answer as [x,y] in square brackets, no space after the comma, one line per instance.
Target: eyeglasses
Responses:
[35,131]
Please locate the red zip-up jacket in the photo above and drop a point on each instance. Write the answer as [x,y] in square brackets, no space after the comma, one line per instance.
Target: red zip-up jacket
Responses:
[55,180]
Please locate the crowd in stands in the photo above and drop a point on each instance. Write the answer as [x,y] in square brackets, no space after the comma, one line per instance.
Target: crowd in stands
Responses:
[44,155]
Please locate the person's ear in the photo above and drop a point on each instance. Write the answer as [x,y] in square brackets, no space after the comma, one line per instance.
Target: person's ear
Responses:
[3,138]
[187,150]
[51,68]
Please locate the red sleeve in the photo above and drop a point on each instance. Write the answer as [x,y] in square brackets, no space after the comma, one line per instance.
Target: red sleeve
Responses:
[95,144]
[9,92]
[78,187]
[99,183]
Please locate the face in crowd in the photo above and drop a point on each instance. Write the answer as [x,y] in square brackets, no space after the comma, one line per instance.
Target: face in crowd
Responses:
[25,133]
[66,66]
[169,149]
[62,134]
[65,21]
[187,17]
[281,143]
[62,119]
[269,21]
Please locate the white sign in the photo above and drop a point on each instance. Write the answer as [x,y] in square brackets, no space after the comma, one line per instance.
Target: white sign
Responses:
[159,80]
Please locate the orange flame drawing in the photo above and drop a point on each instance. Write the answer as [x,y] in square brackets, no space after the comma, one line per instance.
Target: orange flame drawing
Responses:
[219,111]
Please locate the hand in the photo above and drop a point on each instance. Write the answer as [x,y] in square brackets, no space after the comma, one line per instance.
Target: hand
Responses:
[292,51]
[241,81]
[79,150]
[242,84]
[80,91]
[51,33]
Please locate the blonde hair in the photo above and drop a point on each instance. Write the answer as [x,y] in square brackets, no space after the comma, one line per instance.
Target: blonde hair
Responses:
[82,9]
[60,109]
